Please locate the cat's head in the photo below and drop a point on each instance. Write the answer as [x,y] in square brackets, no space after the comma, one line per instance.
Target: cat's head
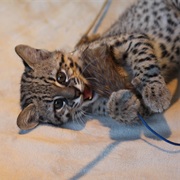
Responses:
[53,89]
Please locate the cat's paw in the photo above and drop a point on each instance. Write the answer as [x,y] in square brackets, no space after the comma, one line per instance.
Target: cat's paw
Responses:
[156,96]
[123,106]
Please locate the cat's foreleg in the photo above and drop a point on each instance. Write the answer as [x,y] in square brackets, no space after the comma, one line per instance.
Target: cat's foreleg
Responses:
[147,79]
[138,55]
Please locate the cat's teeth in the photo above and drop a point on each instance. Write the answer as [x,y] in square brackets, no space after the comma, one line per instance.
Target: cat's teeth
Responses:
[87,94]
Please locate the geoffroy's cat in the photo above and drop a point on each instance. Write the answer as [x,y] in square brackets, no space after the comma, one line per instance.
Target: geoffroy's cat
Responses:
[121,73]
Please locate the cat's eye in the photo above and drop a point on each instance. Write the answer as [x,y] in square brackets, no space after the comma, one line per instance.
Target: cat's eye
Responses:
[61,77]
[58,104]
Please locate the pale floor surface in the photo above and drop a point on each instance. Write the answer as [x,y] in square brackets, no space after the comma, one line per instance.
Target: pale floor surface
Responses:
[100,149]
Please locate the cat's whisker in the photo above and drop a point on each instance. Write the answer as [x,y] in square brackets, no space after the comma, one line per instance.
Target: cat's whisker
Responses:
[92,78]
[79,120]
[90,63]
[73,118]
[86,114]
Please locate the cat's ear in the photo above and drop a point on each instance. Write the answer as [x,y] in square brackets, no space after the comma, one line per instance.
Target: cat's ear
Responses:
[28,118]
[31,56]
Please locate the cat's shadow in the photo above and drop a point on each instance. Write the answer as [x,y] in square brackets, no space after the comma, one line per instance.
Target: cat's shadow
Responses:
[120,132]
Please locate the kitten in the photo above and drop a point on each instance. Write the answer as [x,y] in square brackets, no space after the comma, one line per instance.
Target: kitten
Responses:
[121,73]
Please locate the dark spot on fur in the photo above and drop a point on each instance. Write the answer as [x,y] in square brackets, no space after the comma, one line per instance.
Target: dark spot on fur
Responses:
[155,13]
[170,30]
[145,10]
[145,3]
[135,51]
[159,17]
[124,56]
[151,67]
[51,79]
[68,115]
[160,35]
[152,56]
[164,51]
[138,44]
[164,66]
[171,22]
[146,19]
[171,58]
[168,38]
[118,43]
[141,53]
[41,118]
[156,4]
[151,75]
[177,51]
[148,44]
[71,64]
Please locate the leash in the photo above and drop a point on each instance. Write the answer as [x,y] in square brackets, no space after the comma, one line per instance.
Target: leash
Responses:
[157,134]
[98,20]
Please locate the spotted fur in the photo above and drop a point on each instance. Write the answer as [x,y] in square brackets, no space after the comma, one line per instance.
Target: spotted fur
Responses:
[127,68]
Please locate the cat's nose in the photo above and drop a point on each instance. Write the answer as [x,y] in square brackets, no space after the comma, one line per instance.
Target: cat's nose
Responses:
[68,92]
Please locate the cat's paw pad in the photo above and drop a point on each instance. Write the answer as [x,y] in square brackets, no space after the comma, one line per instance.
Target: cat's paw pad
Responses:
[123,106]
[156,96]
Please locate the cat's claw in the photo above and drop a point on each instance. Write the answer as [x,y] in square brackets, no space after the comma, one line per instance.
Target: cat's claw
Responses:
[123,106]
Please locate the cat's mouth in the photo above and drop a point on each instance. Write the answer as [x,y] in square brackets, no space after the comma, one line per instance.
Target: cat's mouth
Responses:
[88,93]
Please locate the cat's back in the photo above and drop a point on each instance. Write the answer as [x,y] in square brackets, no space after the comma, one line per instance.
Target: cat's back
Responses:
[160,21]
[155,17]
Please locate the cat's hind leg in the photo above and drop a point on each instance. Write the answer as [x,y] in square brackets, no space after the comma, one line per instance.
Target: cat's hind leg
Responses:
[137,54]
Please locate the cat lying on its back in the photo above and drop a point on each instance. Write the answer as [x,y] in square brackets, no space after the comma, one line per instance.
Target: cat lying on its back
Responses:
[121,73]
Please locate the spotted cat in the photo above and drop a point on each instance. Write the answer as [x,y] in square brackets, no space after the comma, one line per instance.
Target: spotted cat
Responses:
[121,73]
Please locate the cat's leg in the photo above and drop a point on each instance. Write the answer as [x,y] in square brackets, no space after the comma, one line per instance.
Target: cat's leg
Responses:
[148,80]
[138,54]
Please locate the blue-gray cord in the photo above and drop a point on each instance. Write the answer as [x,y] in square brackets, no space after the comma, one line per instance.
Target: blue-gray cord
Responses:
[154,132]
[102,16]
